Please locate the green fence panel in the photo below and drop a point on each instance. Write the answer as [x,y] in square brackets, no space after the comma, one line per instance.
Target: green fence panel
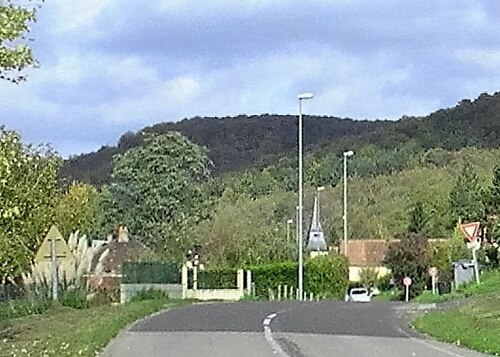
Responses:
[151,273]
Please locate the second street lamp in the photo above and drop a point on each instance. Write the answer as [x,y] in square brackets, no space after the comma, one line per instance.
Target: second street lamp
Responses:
[301,97]
[346,155]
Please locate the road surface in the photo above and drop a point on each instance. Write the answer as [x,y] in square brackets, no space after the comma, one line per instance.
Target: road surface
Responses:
[285,329]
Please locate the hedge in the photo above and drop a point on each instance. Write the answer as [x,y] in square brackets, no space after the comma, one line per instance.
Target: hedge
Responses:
[327,276]
[269,276]
[217,279]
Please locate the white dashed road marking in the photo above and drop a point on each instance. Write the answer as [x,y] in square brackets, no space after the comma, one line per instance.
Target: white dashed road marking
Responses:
[269,336]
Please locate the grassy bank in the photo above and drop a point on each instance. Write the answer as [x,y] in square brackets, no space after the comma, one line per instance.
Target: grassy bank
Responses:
[490,283]
[476,325]
[64,331]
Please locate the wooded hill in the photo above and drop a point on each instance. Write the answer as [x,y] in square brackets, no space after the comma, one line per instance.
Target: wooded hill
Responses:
[239,143]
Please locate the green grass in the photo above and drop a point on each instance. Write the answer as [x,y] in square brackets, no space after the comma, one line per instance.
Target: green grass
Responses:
[63,331]
[490,283]
[476,325]
[391,295]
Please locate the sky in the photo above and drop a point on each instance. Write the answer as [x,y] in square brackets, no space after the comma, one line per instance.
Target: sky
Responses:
[112,66]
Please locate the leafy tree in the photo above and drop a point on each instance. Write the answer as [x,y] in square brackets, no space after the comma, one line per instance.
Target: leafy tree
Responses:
[28,189]
[77,209]
[418,218]
[493,208]
[159,191]
[14,25]
[409,257]
[466,199]
[444,253]
[249,231]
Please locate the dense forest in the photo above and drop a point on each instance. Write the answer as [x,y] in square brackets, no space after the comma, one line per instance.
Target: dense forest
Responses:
[239,143]
[424,174]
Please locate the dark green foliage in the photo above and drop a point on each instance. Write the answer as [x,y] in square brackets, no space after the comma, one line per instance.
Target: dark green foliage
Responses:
[384,283]
[493,257]
[327,276]
[466,198]
[150,273]
[409,257]
[239,143]
[217,279]
[149,294]
[75,298]
[270,276]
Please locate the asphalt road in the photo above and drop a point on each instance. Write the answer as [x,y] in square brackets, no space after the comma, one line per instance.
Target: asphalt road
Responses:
[286,329]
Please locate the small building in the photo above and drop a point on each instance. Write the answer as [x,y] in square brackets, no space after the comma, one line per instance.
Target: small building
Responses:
[366,253]
[107,263]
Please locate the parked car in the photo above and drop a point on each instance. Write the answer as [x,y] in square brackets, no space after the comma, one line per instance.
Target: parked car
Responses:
[358,295]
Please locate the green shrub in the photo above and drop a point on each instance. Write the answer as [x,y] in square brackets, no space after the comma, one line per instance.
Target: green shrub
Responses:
[75,298]
[270,276]
[384,283]
[327,276]
[24,307]
[149,294]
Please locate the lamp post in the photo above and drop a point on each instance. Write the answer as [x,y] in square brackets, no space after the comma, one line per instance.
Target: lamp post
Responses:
[346,155]
[301,97]
[288,223]
[318,190]
[297,225]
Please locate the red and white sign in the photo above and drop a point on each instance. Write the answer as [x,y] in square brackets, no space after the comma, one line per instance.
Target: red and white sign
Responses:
[433,272]
[407,281]
[470,230]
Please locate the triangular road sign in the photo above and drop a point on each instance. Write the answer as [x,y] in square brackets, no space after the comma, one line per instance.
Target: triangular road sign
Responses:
[471,230]
[62,249]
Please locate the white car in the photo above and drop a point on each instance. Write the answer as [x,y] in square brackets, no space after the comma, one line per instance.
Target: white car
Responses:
[358,295]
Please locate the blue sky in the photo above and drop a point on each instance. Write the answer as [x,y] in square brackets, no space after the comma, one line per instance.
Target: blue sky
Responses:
[110,66]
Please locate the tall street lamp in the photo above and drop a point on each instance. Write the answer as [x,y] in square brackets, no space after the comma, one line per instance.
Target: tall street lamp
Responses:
[346,155]
[318,190]
[288,223]
[301,97]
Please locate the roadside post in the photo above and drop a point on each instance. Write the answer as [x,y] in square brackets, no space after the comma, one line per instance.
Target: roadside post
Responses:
[433,273]
[407,283]
[471,232]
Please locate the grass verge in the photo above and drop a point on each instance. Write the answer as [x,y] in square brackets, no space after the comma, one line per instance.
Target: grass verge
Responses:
[64,331]
[476,325]
[490,283]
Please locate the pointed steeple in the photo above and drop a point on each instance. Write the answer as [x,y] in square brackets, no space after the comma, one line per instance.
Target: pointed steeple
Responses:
[316,236]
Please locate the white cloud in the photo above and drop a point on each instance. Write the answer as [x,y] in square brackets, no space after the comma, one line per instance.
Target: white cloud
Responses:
[485,58]
[72,15]
[131,70]
[108,66]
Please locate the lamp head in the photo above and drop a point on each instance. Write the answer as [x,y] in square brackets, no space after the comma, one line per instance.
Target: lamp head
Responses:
[303,96]
[348,153]
[320,188]
[290,221]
